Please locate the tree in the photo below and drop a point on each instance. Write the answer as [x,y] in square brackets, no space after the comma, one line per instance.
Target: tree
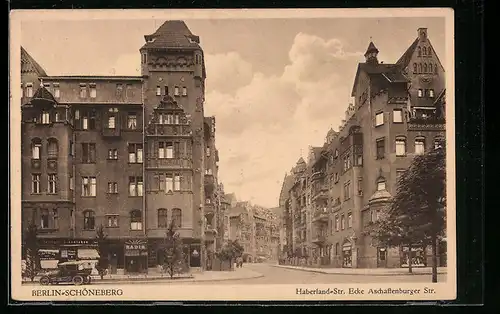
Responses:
[416,214]
[32,247]
[103,250]
[174,260]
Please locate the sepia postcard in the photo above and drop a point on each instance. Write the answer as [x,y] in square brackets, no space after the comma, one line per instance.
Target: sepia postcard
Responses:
[232,155]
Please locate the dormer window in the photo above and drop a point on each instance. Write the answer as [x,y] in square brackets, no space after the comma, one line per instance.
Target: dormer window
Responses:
[381,184]
[57,92]
[176,91]
[83,91]
[29,90]
[93,91]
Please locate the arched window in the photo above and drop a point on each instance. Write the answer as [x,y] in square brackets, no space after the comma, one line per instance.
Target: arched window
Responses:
[424,51]
[177,217]
[337,248]
[400,146]
[52,148]
[135,220]
[415,69]
[419,68]
[162,218]
[430,68]
[381,184]
[435,69]
[425,67]
[88,220]
[419,145]
[419,52]
[36,148]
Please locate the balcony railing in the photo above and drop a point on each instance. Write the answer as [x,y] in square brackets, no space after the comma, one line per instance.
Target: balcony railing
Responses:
[321,215]
[321,194]
[169,163]
[169,129]
[317,176]
[428,123]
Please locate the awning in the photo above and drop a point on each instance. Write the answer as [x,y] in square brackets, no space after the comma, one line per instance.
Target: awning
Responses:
[88,254]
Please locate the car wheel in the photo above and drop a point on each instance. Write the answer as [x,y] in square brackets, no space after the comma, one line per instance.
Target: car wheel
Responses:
[44,281]
[78,280]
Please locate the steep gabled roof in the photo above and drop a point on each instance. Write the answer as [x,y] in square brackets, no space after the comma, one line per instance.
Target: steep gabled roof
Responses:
[380,74]
[172,34]
[29,64]
[43,94]
[406,57]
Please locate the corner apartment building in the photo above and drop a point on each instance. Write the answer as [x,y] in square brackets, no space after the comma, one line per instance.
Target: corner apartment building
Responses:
[130,153]
[397,113]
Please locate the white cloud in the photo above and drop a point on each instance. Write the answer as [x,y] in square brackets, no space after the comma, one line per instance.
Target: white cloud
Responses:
[265,126]
[227,72]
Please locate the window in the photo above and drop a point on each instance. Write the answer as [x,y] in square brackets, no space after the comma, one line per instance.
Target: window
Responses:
[207,151]
[29,90]
[347,191]
[349,220]
[336,155]
[112,187]
[177,182]
[88,119]
[36,147]
[358,160]
[397,116]
[420,93]
[112,221]
[45,118]
[400,146]
[93,91]
[166,89]
[342,222]
[380,184]
[135,153]
[111,122]
[430,68]
[88,220]
[44,219]
[129,92]
[112,154]
[347,162]
[169,183]
[88,153]
[135,220]
[55,219]
[176,91]
[424,51]
[52,184]
[360,186]
[52,148]
[336,177]
[419,53]
[177,217]
[89,187]
[438,143]
[158,90]
[425,67]
[35,183]
[83,91]
[162,218]
[132,121]
[144,58]
[431,93]
[135,186]
[380,148]
[119,90]
[379,119]
[414,68]
[419,146]
[184,91]
[169,150]
[71,182]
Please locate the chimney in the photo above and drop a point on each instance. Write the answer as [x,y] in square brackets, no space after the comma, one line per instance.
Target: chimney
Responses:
[422,34]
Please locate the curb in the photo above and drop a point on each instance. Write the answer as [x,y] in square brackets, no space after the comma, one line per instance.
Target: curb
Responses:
[159,279]
[359,274]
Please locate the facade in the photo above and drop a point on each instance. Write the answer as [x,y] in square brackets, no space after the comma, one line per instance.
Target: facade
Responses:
[397,113]
[129,153]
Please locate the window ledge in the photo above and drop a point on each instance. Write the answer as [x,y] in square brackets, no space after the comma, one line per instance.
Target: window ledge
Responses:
[377,126]
[88,196]
[48,230]
[405,155]
[88,229]
[113,227]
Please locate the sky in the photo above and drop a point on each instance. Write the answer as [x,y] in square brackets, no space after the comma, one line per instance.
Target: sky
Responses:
[275,86]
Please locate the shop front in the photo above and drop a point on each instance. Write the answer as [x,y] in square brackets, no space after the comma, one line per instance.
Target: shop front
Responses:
[136,256]
[195,255]
[416,255]
[347,255]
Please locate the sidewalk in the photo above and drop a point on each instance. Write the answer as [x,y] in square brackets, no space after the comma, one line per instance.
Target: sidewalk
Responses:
[366,271]
[237,274]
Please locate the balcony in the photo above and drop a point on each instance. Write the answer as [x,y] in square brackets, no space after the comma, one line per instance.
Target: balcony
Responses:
[178,130]
[107,132]
[168,163]
[321,194]
[209,208]
[319,238]
[427,124]
[321,215]
[317,176]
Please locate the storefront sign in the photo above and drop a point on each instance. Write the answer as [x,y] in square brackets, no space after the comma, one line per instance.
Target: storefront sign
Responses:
[136,248]
[69,254]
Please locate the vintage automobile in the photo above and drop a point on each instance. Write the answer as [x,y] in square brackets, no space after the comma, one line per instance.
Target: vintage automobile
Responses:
[75,272]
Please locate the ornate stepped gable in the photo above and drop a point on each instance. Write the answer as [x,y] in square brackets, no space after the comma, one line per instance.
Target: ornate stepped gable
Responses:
[168,106]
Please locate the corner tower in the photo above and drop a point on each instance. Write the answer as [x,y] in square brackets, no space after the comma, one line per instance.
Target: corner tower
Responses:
[173,71]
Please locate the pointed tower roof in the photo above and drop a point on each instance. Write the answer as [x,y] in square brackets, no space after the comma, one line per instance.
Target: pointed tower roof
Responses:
[301,161]
[43,98]
[172,34]
[371,48]
[28,64]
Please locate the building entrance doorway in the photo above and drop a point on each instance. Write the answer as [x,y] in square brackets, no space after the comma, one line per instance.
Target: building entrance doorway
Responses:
[347,255]
[382,257]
